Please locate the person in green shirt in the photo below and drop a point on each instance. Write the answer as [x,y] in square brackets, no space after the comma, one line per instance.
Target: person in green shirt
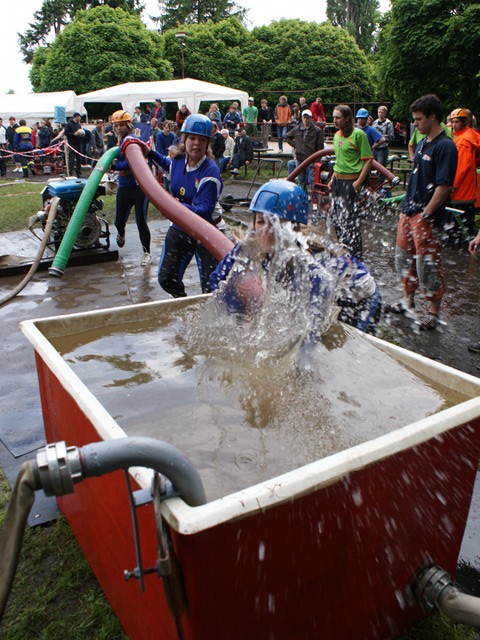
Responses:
[353,160]
[250,116]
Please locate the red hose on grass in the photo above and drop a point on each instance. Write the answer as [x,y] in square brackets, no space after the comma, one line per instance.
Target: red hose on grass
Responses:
[196,227]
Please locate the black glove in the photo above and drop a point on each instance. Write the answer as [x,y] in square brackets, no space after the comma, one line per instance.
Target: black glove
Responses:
[151,154]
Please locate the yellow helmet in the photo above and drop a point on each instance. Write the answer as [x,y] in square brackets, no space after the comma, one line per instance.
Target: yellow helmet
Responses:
[459,113]
[121,116]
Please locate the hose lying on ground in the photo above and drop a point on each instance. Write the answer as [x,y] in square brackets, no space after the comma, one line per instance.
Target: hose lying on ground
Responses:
[46,236]
[11,535]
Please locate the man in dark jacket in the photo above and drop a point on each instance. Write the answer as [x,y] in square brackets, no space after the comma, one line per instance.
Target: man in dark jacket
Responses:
[159,112]
[242,151]
[306,139]
[10,137]
[3,146]
[217,144]
[74,133]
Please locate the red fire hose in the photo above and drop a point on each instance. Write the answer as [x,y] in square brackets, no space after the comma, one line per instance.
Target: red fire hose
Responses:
[199,229]
[329,151]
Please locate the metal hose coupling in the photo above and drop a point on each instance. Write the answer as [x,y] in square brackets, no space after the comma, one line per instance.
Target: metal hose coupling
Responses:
[435,589]
[58,468]
[430,585]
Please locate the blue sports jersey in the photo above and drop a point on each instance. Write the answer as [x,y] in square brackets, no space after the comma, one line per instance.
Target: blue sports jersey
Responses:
[197,188]
[350,278]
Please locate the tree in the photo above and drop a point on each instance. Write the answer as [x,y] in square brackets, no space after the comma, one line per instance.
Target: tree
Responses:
[292,55]
[206,45]
[430,46]
[178,12]
[55,14]
[100,48]
[358,17]
[282,57]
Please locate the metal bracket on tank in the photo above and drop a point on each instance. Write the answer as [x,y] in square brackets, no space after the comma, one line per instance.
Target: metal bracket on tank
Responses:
[166,566]
[139,499]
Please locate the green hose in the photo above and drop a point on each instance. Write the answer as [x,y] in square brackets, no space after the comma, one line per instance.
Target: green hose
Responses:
[83,204]
[393,199]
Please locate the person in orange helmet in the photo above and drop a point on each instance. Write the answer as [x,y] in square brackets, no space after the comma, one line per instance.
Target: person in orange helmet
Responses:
[467,142]
[129,193]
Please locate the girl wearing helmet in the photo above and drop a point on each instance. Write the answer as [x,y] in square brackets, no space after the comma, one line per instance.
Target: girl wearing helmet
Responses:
[129,193]
[323,276]
[195,181]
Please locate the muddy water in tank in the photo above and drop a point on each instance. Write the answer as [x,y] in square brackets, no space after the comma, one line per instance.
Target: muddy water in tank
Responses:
[242,421]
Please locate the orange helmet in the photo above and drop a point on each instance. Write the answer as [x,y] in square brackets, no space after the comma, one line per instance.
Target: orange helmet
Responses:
[121,116]
[459,113]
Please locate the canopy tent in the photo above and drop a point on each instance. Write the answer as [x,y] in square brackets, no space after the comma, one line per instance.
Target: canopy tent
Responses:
[35,106]
[187,91]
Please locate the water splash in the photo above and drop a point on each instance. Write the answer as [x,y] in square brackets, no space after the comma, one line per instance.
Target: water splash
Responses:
[290,300]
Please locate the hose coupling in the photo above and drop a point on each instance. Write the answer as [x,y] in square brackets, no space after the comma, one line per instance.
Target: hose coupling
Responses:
[40,216]
[136,141]
[58,468]
[430,587]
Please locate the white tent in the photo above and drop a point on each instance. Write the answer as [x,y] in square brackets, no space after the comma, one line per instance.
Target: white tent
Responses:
[188,91]
[34,106]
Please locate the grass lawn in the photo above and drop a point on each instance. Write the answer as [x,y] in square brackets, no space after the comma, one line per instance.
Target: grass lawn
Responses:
[55,595]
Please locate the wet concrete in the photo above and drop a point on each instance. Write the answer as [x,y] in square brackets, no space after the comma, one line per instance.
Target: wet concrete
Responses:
[126,282]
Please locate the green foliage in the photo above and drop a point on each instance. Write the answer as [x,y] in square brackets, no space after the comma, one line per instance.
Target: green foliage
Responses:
[430,46]
[213,51]
[293,60]
[439,628]
[180,12]
[55,14]
[285,56]
[102,47]
[359,17]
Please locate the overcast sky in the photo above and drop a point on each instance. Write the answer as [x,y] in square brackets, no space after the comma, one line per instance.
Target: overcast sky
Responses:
[14,73]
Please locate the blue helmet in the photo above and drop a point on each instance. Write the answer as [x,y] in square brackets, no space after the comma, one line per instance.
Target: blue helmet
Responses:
[198,125]
[281,198]
[362,113]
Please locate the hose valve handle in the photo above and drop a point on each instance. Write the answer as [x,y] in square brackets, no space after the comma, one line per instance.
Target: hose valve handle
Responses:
[58,469]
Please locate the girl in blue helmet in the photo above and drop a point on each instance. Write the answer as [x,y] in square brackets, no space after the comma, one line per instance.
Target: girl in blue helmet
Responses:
[195,181]
[324,277]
